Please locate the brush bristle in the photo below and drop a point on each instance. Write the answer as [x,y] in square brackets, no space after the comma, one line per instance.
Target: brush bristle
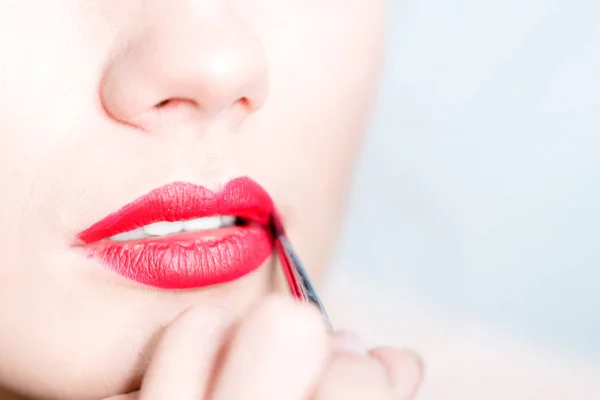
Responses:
[276,225]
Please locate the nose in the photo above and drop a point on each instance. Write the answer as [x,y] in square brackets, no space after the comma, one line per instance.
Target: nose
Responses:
[197,54]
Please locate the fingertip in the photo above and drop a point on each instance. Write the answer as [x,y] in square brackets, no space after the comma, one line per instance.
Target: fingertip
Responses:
[286,317]
[196,324]
[405,369]
[201,316]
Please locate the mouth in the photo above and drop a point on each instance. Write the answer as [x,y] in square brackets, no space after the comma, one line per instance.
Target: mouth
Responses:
[183,236]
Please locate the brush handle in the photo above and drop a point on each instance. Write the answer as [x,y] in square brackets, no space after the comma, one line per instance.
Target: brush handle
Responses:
[300,283]
[297,278]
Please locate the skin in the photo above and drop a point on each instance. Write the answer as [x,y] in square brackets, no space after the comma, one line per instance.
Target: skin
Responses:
[102,101]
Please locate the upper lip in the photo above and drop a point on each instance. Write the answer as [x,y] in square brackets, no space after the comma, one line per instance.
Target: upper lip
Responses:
[181,201]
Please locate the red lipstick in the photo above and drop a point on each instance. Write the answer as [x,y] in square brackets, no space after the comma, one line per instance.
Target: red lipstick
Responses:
[186,259]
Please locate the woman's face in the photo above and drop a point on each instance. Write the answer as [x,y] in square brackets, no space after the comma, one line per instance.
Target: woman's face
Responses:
[105,102]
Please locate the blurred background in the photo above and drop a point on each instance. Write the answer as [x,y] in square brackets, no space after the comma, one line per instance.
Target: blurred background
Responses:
[479,185]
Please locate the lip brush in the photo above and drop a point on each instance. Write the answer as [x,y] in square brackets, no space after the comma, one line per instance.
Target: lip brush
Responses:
[297,278]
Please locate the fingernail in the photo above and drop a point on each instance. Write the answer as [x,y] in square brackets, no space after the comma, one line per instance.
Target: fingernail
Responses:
[347,342]
[412,375]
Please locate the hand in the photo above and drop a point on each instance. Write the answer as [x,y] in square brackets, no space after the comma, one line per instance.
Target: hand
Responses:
[280,350]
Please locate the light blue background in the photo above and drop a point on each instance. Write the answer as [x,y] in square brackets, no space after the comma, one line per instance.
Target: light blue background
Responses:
[479,189]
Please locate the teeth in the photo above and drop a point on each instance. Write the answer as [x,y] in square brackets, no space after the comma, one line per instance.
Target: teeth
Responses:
[131,235]
[164,228]
[203,224]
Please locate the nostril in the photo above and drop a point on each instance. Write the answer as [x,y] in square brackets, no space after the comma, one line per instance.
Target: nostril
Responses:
[175,102]
[163,103]
[245,102]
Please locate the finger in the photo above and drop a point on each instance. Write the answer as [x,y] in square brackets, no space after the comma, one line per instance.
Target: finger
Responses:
[130,396]
[353,376]
[182,366]
[279,352]
[404,368]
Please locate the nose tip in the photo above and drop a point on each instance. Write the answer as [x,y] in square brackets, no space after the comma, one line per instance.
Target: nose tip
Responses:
[209,64]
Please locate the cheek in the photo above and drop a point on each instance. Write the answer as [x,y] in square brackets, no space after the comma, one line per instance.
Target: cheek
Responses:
[48,69]
[46,94]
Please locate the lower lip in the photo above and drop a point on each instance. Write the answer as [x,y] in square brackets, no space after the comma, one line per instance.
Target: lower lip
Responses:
[188,260]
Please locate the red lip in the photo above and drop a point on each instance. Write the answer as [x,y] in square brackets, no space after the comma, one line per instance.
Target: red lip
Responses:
[189,259]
